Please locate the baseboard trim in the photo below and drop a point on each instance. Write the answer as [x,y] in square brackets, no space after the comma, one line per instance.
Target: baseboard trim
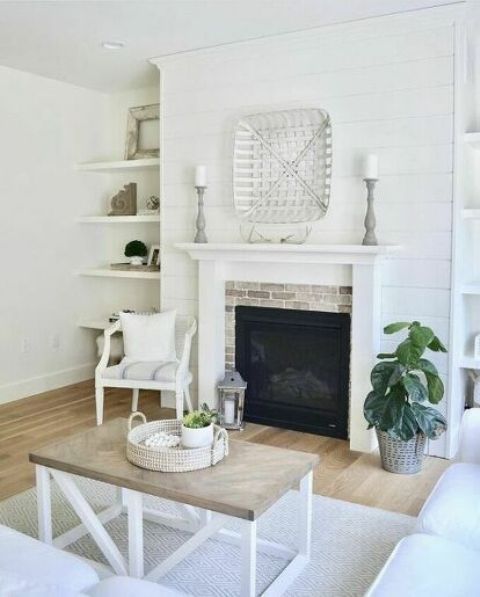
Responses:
[44,383]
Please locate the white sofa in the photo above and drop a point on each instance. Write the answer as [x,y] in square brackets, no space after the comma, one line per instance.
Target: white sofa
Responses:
[29,568]
[442,557]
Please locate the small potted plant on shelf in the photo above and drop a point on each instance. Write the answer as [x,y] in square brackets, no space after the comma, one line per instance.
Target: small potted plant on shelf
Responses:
[402,382]
[136,251]
[197,428]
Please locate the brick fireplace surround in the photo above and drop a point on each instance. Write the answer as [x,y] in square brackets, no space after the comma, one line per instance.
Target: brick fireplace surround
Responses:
[272,272]
[305,297]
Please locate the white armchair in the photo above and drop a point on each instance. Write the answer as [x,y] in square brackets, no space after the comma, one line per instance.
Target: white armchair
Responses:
[171,376]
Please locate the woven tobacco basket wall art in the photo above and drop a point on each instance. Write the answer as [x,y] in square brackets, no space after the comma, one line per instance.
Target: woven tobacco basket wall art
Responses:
[281,171]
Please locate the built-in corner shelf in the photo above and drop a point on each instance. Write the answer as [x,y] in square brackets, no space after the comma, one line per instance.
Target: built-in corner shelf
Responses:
[119,219]
[94,324]
[469,362]
[473,139]
[128,165]
[471,288]
[470,214]
[106,272]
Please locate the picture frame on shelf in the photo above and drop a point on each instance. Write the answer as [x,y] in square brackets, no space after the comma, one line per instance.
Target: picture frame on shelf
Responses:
[136,116]
[154,255]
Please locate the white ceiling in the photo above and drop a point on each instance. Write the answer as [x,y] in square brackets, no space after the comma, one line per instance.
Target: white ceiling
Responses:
[62,39]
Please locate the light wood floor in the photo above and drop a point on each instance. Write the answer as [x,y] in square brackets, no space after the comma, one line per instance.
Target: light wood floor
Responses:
[342,474]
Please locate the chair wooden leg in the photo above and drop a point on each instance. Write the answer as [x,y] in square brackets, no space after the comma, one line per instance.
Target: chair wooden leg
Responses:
[179,404]
[188,398]
[99,392]
[135,393]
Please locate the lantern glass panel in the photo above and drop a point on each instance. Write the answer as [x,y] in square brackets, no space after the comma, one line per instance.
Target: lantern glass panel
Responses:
[229,407]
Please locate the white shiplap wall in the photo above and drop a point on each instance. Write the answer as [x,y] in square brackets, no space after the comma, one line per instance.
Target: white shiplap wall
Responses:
[388,86]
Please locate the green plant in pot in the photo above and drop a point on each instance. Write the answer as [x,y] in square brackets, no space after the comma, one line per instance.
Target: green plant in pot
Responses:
[135,250]
[197,427]
[403,385]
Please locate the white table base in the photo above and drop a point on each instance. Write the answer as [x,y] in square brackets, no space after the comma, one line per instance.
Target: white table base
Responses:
[203,525]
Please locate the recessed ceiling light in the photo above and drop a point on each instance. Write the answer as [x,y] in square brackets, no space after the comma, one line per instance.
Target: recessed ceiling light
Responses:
[113,45]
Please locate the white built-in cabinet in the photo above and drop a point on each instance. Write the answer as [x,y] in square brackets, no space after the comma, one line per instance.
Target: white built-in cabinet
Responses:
[465,292]
[110,290]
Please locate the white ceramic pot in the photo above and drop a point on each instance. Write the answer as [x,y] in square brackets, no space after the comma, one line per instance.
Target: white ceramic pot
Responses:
[136,260]
[197,438]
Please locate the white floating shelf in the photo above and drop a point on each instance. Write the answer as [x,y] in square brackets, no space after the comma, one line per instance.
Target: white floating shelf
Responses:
[106,272]
[469,362]
[471,288]
[145,164]
[473,139]
[95,324]
[471,214]
[119,219]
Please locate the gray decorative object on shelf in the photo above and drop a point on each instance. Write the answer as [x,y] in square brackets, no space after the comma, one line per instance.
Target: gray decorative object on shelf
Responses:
[370,220]
[124,203]
[200,236]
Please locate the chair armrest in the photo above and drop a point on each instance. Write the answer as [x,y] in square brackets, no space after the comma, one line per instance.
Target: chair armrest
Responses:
[108,333]
[469,449]
[184,361]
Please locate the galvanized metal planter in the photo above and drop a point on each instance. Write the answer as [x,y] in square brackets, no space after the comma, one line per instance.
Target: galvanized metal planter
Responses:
[399,456]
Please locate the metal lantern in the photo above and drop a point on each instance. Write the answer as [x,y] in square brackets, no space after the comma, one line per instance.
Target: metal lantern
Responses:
[231,400]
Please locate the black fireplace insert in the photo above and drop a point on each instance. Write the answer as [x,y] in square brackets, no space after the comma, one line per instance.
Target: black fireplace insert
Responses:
[297,366]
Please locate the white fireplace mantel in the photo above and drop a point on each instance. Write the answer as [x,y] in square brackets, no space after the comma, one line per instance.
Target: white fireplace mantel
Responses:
[287,253]
[290,263]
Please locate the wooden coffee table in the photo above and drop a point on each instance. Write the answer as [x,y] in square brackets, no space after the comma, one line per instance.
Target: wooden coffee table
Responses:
[243,486]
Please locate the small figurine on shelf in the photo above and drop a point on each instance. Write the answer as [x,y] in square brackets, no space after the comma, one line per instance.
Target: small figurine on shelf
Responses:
[152,207]
[124,203]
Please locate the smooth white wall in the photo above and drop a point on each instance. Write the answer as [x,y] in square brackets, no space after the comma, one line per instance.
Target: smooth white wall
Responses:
[46,128]
[388,86]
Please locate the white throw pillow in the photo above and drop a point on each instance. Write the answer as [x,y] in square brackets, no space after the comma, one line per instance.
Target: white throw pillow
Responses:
[149,337]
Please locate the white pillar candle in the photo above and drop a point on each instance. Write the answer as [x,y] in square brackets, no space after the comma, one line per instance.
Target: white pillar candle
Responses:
[371,166]
[229,412]
[200,176]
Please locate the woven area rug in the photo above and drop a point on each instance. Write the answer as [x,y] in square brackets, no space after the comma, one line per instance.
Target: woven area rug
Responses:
[350,543]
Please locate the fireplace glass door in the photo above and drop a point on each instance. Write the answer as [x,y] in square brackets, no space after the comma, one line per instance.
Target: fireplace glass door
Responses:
[297,366]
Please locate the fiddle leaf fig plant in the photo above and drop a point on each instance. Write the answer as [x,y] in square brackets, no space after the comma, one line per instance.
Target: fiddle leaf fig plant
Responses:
[403,383]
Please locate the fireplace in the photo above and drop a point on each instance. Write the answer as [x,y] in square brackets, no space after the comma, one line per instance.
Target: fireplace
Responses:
[297,366]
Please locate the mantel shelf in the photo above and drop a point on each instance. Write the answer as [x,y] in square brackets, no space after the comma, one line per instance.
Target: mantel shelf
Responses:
[129,165]
[287,253]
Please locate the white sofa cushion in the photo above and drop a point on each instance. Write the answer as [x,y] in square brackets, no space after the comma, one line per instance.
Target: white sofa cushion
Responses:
[14,585]
[427,566]
[42,563]
[142,371]
[452,510]
[149,337]
[125,586]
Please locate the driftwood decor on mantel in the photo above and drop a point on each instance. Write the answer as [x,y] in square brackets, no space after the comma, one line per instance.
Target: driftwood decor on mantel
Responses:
[136,116]
[124,203]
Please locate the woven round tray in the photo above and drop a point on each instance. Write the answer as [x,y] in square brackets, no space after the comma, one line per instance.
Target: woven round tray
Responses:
[171,460]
